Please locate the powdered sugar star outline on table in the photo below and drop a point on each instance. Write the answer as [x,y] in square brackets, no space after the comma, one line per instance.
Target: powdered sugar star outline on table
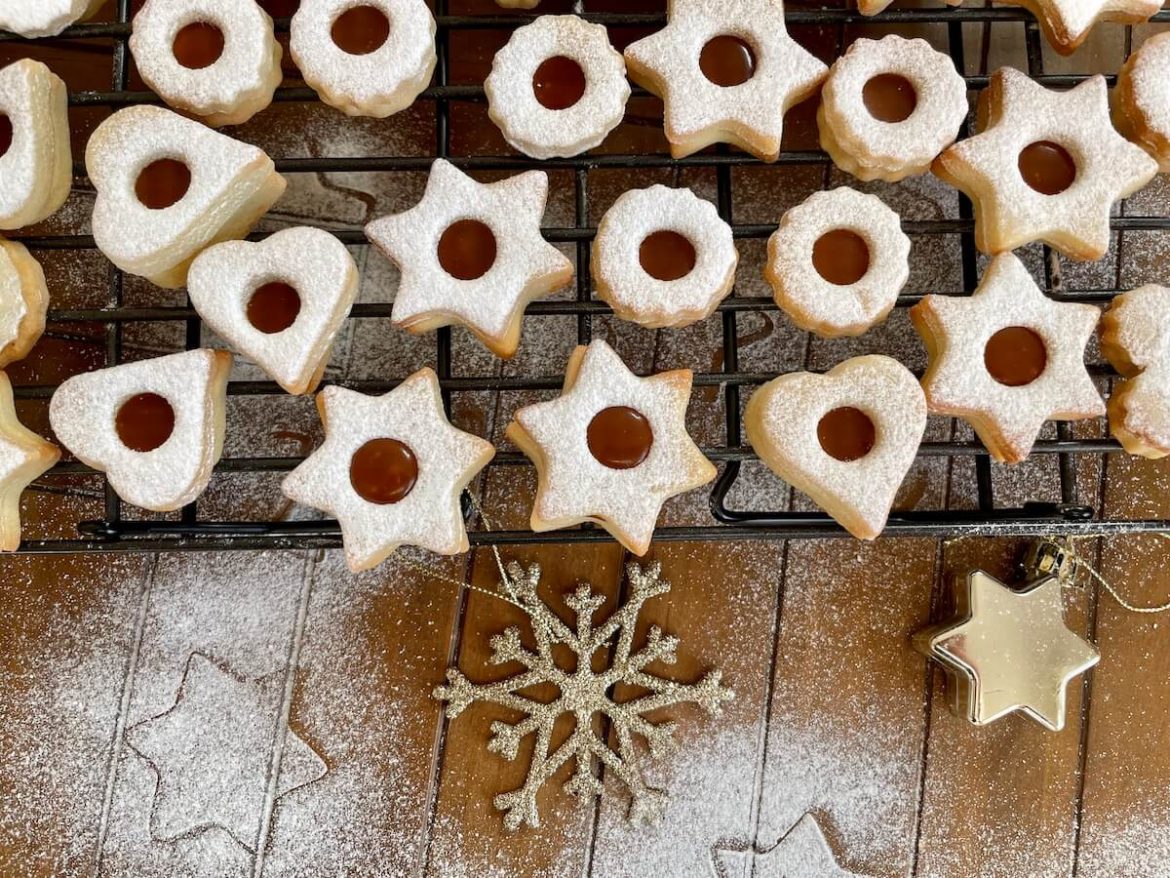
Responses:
[803,852]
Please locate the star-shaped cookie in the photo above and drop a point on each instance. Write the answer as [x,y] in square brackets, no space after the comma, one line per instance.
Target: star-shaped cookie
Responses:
[472,253]
[24,456]
[1009,650]
[1007,358]
[1047,166]
[391,470]
[727,72]
[802,851]
[1066,23]
[612,448]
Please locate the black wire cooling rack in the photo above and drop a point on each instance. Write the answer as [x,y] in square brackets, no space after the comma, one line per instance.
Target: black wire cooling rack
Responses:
[116,532]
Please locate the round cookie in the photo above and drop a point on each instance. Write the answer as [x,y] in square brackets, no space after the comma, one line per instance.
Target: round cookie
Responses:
[44,18]
[1141,100]
[1135,338]
[36,158]
[24,301]
[24,457]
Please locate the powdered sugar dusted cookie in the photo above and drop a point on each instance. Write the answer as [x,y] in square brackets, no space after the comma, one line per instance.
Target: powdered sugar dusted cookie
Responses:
[1141,101]
[612,448]
[1047,166]
[727,71]
[889,107]
[472,253]
[44,18]
[280,302]
[1135,338]
[154,427]
[24,457]
[217,59]
[1007,358]
[558,87]
[24,299]
[1067,23]
[838,262]
[845,438]
[36,159]
[391,470]
[168,187]
[369,58]
[663,257]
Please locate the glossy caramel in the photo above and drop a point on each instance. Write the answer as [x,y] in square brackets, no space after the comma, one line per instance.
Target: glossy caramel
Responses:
[841,257]
[145,422]
[198,45]
[1015,356]
[383,471]
[467,249]
[558,83]
[890,97]
[727,61]
[1047,167]
[667,255]
[620,437]
[162,183]
[360,30]
[273,307]
[846,433]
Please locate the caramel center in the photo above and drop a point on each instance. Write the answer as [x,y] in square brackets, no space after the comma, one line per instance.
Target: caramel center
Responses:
[890,97]
[360,30]
[467,250]
[727,61]
[163,183]
[144,422]
[846,433]
[5,134]
[274,307]
[667,255]
[558,83]
[198,45]
[1047,167]
[383,471]
[619,437]
[1015,356]
[841,257]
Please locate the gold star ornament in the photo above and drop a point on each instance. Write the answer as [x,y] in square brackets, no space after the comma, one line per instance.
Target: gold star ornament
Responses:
[1008,650]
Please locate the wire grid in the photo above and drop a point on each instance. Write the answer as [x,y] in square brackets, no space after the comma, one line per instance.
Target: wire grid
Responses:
[114,532]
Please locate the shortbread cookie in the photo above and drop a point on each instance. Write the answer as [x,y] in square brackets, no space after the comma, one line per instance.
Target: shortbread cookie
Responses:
[557,88]
[1135,338]
[391,470]
[471,253]
[154,427]
[838,262]
[24,457]
[368,58]
[727,72]
[1047,166]
[1007,358]
[168,188]
[612,448]
[663,257]
[36,159]
[24,299]
[1067,23]
[845,438]
[44,18]
[216,59]
[1141,101]
[889,107]
[280,302]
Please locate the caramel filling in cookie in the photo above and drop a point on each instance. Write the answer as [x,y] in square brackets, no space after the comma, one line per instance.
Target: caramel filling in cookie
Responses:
[162,183]
[360,30]
[467,249]
[667,255]
[1015,356]
[383,471]
[727,61]
[558,83]
[274,307]
[890,97]
[846,433]
[5,135]
[620,437]
[198,45]
[1047,167]
[841,257]
[145,422]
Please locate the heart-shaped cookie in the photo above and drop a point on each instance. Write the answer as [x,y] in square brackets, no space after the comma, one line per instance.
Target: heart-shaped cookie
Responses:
[154,427]
[279,302]
[845,438]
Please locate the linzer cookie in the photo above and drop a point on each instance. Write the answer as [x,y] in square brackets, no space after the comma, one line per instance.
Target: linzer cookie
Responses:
[663,257]
[391,470]
[216,59]
[837,262]
[24,299]
[366,59]
[24,457]
[1067,23]
[1135,338]
[154,427]
[612,448]
[845,438]
[168,187]
[1141,101]
[727,72]
[44,18]
[1007,358]
[889,107]
[279,302]
[36,160]
[471,253]
[1047,166]
[557,88]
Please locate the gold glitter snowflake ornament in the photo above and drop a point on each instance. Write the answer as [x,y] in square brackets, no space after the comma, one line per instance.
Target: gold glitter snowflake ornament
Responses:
[583,693]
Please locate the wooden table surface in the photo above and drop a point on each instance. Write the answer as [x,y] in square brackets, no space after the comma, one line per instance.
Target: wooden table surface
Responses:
[834,714]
